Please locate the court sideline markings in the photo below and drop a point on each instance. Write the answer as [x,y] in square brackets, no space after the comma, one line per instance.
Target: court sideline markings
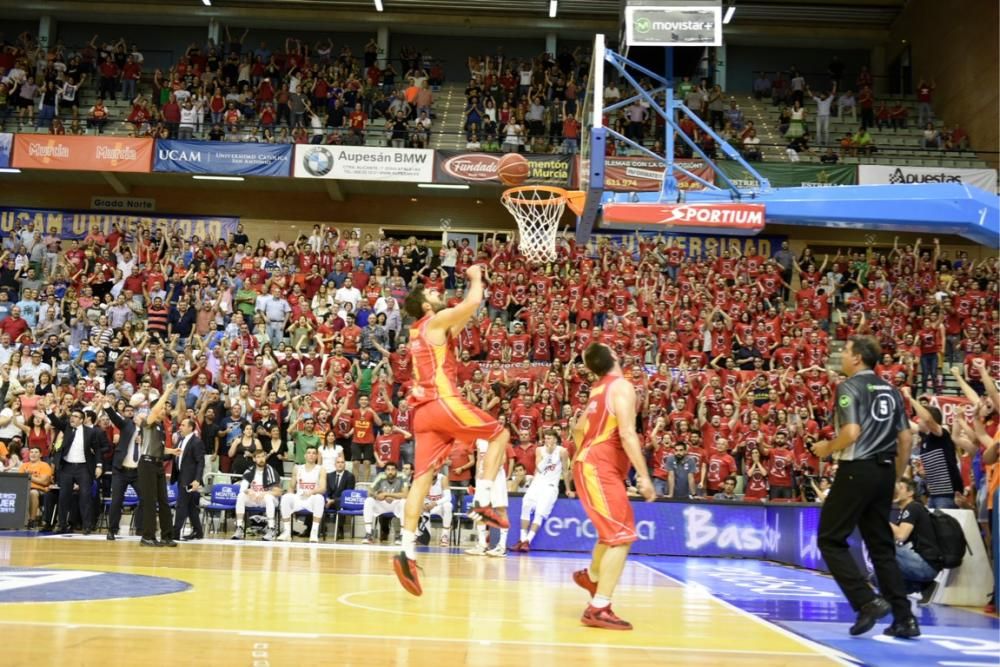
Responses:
[348,635]
[822,649]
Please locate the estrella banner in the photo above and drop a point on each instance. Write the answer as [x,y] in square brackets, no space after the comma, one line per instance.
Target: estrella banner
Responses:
[75,225]
[789,175]
[83,153]
[6,144]
[223,158]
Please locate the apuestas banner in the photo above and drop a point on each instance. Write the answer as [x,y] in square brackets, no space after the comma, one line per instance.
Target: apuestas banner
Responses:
[212,157]
[783,533]
[789,175]
[952,408]
[702,218]
[873,174]
[6,143]
[709,246]
[466,167]
[643,174]
[70,225]
[361,163]
[83,153]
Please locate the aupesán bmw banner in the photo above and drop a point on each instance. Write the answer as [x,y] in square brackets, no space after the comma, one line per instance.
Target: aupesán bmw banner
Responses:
[874,174]
[222,158]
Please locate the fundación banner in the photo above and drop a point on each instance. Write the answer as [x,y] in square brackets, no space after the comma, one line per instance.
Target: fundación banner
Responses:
[789,175]
[643,174]
[75,225]
[83,153]
[873,174]
[361,163]
[470,167]
[6,144]
[223,158]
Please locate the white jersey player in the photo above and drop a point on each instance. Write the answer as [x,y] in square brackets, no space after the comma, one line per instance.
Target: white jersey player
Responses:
[551,466]
[309,482]
[498,500]
[438,503]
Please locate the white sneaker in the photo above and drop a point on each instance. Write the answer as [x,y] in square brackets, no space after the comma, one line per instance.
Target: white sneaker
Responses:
[314,539]
[285,537]
[476,551]
[238,534]
[268,535]
[445,541]
[498,551]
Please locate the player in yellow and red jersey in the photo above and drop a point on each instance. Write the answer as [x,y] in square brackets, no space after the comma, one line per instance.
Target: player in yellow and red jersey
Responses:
[607,445]
[441,415]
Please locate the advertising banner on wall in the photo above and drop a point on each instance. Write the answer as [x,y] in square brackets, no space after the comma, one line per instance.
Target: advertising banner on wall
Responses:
[782,533]
[790,175]
[673,25]
[210,157]
[74,225]
[643,174]
[6,144]
[874,174]
[83,153]
[700,218]
[469,167]
[710,246]
[361,163]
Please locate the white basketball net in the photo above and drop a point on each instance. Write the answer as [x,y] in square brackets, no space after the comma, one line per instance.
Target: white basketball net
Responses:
[537,213]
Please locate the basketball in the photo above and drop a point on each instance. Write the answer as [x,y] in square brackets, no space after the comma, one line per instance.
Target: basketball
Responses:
[513,169]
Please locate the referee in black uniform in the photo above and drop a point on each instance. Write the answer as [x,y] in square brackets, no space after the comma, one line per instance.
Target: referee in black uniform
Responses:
[873,446]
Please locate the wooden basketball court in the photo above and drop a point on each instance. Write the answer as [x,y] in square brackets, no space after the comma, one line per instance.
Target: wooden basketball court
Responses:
[261,604]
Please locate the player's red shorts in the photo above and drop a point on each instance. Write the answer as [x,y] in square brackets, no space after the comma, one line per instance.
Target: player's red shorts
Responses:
[602,491]
[439,423]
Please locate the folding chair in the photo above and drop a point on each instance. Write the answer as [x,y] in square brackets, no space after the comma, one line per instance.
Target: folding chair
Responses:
[352,504]
[222,500]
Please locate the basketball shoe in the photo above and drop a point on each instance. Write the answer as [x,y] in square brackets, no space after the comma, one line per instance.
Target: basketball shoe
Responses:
[490,516]
[406,571]
[476,551]
[603,618]
[582,579]
[499,551]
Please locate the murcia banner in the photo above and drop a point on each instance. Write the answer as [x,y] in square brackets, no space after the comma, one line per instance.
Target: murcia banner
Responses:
[673,25]
[361,163]
[872,174]
[702,218]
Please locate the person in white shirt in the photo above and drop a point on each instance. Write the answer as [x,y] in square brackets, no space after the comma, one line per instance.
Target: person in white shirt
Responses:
[309,482]
[438,503]
[348,294]
[551,466]
[189,119]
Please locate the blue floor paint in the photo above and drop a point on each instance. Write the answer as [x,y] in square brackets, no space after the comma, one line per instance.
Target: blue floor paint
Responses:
[35,584]
[810,604]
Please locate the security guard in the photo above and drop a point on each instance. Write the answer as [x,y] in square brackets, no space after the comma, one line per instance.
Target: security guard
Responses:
[873,446]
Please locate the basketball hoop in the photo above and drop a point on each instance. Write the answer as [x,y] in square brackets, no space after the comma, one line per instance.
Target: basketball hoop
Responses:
[537,210]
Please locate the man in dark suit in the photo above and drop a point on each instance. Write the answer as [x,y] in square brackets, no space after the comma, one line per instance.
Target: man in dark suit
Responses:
[189,469]
[77,462]
[337,482]
[124,463]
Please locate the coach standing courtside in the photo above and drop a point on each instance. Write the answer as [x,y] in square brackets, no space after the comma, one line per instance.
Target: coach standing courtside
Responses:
[189,468]
[77,461]
[124,462]
[873,447]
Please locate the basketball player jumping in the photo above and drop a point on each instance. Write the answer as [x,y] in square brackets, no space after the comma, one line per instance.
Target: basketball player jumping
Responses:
[606,444]
[441,415]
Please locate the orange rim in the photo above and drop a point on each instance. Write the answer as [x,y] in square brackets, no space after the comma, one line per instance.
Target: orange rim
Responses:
[573,198]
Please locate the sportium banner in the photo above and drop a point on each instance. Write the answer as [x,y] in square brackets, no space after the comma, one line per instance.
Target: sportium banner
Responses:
[217,157]
[789,175]
[643,174]
[465,167]
[74,225]
[873,174]
[674,25]
[361,163]
[83,153]
[700,218]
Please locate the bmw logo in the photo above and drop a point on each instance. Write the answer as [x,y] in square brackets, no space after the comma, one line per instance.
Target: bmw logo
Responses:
[318,161]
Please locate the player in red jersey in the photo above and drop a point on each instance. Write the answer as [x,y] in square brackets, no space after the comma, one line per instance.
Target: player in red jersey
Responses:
[606,444]
[441,415]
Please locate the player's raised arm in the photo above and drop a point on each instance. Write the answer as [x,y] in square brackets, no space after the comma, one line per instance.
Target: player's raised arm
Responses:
[455,318]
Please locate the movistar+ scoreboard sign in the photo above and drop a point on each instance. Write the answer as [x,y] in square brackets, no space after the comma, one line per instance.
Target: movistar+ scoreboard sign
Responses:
[673,26]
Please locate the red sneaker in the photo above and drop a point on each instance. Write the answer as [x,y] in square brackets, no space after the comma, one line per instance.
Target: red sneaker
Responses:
[583,580]
[406,572]
[525,547]
[603,618]
[490,516]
